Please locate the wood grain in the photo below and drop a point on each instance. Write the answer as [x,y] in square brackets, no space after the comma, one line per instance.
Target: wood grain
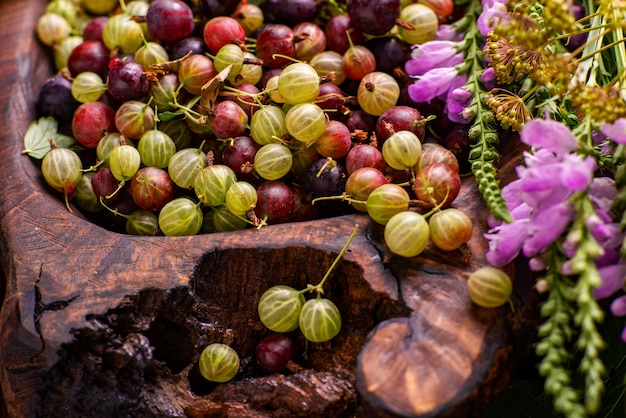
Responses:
[123,318]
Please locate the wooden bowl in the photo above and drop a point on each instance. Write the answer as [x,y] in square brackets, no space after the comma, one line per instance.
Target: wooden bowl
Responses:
[96,323]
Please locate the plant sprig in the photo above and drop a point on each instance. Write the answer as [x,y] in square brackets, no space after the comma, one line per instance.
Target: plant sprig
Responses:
[482,133]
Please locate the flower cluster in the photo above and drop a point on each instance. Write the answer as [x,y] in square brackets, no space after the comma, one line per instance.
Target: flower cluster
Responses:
[433,64]
[540,203]
[439,69]
[552,71]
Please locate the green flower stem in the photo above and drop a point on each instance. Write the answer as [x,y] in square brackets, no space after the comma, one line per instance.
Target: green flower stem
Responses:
[572,315]
[555,333]
[589,313]
[482,133]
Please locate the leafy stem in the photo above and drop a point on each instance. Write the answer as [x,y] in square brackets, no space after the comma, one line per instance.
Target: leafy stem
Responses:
[589,313]
[482,133]
[572,317]
[555,333]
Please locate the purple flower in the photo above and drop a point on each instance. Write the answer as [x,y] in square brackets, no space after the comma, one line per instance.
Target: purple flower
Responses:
[457,101]
[612,280]
[539,199]
[540,181]
[431,55]
[550,135]
[618,306]
[537,264]
[488,78]
[505,242]
[602,192]
[599,228]
[434,83]
[448,33]
[616,130]
[512,195]
[547,226]
[577,173]
[494,14]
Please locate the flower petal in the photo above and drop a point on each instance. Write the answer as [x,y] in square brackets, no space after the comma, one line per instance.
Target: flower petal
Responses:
[616,130]
[488,77]
[549,134]
[618,306]
[612,280]
[432,84]
[448,33]
[577,173]
[548,224]
[431,55]
[494,14]
[505,242]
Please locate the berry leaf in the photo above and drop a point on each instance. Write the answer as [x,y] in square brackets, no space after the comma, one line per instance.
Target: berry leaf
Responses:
[167,116]
[40,133]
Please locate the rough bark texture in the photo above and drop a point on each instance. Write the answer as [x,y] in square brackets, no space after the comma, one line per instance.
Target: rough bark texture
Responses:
[96,323]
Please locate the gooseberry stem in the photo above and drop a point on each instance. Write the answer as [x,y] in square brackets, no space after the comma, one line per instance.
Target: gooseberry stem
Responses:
[287,57]
[67,201]
[113,211]
[119,187]
[343,196]
[319,287]
[511,305]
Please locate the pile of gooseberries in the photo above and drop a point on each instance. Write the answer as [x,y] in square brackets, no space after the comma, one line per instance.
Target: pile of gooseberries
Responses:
[187,118]
[172,117]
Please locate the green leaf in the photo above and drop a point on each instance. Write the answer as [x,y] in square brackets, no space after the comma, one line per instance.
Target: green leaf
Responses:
[167,116]
[40,133]
[63,141]
[38,136]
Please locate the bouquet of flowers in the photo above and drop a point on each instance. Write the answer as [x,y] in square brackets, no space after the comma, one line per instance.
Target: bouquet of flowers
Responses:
[552,71]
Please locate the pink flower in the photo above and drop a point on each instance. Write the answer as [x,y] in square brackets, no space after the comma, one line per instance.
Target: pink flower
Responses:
[505,242]
[494,14]
[448,33]
[550,135]
[431,55]
[612,280]
[547,226]
[616,130]
[539,199]
[577,172]
[618,306]
[602,192]
[488,78]
[457,101]
[434,83]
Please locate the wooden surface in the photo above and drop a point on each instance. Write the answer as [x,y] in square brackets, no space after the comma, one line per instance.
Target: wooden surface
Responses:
[103,324]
